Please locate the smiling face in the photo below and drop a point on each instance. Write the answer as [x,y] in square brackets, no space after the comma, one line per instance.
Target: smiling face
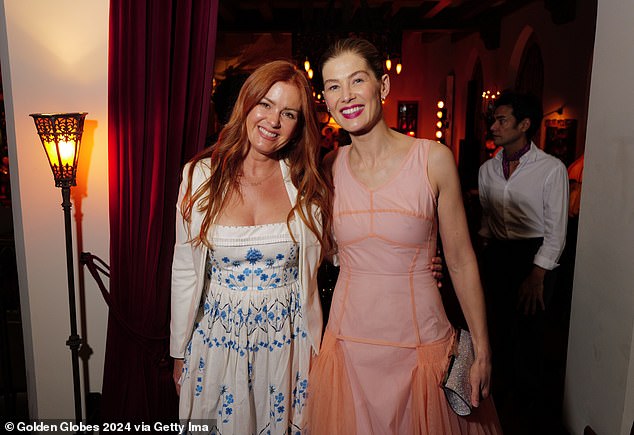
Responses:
[272,121]
[353,93]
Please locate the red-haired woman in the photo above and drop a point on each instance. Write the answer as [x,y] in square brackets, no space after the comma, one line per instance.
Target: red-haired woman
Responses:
[252,223]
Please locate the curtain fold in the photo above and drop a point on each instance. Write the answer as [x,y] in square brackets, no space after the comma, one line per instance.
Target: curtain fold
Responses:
[161,57]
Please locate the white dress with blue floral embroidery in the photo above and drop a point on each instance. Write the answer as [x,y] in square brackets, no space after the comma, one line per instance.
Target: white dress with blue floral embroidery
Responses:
[247,363]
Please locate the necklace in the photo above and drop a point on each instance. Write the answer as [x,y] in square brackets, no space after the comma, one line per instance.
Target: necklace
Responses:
[255,181]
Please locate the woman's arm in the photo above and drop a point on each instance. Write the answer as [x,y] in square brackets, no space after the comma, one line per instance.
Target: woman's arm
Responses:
[461,262]
[183,284]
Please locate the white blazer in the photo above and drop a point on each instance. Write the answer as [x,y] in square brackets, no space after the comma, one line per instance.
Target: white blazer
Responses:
[188,267]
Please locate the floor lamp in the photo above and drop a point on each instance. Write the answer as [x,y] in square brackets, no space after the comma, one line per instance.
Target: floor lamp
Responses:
[61,137]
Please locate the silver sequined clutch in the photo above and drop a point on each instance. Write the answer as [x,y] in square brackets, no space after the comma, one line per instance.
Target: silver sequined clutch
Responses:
[456,381]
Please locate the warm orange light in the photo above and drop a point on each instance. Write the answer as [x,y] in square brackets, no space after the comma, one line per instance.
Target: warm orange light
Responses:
[439,124]
[411,133]
[490,95]
[310,73]
[441,104]
[388,64]
[66,156]
[306,65]
[439,114]
[399,68]
[439,134]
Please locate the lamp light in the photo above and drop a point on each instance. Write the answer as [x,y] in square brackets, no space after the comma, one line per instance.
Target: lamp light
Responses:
[388,63]
[306,64]
[441,122]
[399,68]
[310,73]
[488,100]
[61,138]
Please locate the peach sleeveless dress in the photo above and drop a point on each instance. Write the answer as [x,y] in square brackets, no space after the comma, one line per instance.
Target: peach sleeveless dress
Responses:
[388,338]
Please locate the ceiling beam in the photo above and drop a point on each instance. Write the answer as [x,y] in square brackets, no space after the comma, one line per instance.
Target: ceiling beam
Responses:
[440,6]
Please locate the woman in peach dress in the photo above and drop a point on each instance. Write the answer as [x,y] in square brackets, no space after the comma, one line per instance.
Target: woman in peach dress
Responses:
[387,342]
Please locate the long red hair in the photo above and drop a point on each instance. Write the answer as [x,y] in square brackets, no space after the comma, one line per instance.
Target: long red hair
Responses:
[225,158]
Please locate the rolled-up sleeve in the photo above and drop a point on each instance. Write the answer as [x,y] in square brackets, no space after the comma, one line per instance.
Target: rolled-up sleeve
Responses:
[555,218]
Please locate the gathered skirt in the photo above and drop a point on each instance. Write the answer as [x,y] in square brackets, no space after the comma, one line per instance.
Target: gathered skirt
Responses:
[372,389]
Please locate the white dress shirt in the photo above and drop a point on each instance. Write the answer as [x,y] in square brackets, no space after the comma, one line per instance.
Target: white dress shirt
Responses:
[532,203]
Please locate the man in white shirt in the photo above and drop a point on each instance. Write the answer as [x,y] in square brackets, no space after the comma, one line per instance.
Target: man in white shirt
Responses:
[524,197]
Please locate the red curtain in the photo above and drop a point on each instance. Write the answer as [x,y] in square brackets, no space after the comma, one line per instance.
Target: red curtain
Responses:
[160,73]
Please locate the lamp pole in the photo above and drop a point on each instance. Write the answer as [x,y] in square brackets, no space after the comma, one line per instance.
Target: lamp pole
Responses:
[74,340]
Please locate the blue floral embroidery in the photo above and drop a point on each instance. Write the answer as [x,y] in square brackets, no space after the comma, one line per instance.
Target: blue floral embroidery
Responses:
[299,392]
[253,255]
[277,408]
[227,399]
[244,318]
[278,314]
[270,272]
[199,386]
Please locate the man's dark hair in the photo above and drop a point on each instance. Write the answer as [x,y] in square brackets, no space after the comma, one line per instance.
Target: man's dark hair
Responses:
[524,106]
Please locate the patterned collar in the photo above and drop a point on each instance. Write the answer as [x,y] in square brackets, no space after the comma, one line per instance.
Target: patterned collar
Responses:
[506,160]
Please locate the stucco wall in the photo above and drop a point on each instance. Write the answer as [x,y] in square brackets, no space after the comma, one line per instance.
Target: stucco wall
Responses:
[600,369]
[54,59]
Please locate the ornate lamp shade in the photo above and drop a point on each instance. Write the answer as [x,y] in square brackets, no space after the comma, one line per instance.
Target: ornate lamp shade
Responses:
[61,137]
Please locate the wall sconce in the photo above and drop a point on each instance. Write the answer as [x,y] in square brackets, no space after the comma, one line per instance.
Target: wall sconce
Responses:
[558,111]
[442,122]
[399,65]
[61,138]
